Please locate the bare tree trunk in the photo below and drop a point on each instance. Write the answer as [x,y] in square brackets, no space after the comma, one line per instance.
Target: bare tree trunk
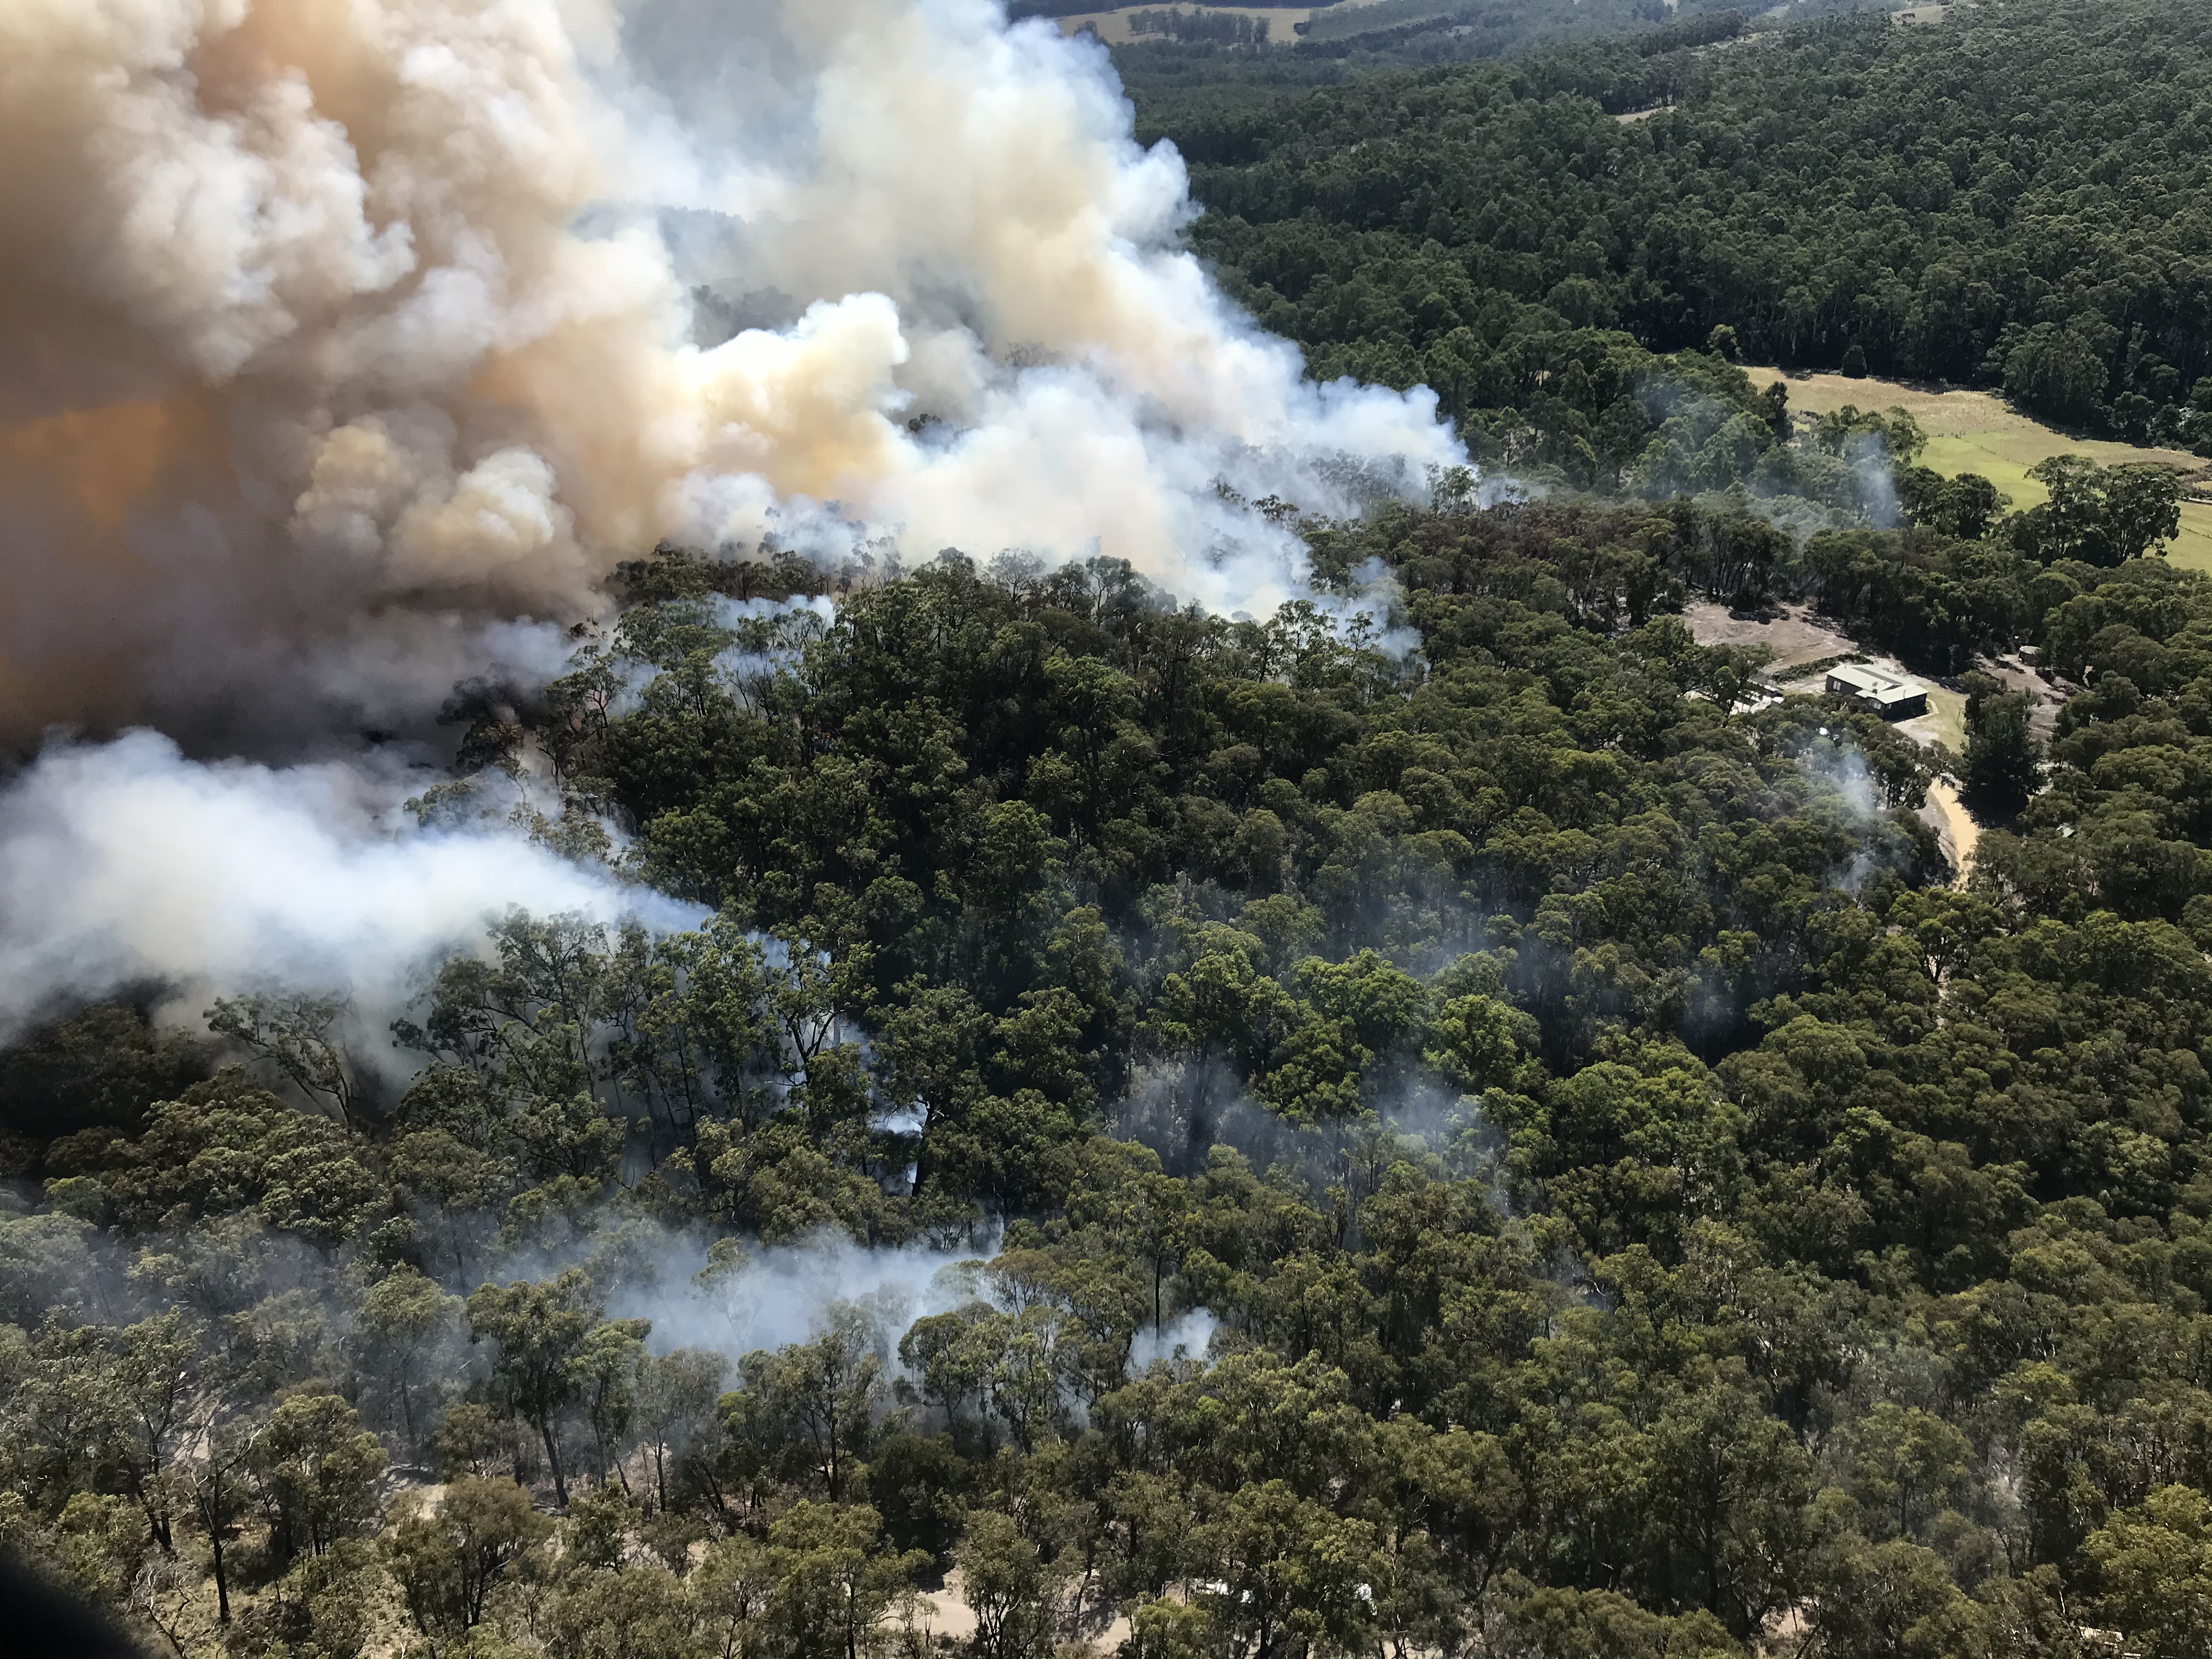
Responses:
[221,1580]
[553,1462]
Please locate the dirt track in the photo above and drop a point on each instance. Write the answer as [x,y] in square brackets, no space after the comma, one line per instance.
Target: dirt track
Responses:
[1960,834]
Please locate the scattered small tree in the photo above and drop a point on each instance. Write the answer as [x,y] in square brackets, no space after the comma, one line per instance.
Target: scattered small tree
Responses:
[540,1328]
[402,1317]
[1004,1583]
[447,1563]
[315,1471]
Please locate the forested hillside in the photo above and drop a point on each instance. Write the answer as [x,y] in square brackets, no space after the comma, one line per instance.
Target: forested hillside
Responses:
[2017,195]
[1444,1119]
[1208,98]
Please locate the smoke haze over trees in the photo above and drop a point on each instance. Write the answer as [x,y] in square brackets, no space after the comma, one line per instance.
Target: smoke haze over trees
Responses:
[984,948]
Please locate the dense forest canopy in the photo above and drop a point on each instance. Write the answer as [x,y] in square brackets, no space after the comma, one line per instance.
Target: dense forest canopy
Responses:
[1636,1200]
[1444,1120]
[2021,195]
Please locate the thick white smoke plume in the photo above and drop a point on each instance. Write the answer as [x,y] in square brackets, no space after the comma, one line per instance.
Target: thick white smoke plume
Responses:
[333,320]
[126,863]
[345,345]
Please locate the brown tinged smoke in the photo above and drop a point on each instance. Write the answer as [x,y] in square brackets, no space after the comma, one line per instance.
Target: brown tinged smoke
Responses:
[347,345]
[331,330]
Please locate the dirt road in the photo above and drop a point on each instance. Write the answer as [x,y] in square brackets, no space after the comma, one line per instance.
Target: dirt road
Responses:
[1959,833]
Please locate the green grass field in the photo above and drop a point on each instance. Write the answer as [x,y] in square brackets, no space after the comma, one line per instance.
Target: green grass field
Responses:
[1979,432]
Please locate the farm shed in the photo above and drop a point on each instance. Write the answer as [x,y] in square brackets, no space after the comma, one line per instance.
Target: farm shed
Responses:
[1886,695]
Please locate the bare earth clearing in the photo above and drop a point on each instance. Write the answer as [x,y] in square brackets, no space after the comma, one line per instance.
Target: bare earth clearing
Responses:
[948,1620]
[1795,635]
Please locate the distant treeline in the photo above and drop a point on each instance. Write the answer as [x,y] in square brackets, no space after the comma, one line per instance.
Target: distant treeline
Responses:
[1021,9]
[1479,20]
[1215,29]
[1207,99]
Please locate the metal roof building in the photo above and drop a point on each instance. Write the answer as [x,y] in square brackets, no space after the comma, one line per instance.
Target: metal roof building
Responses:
[1878,693]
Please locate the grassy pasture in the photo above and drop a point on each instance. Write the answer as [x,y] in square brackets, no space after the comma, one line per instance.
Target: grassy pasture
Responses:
[1979,432]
